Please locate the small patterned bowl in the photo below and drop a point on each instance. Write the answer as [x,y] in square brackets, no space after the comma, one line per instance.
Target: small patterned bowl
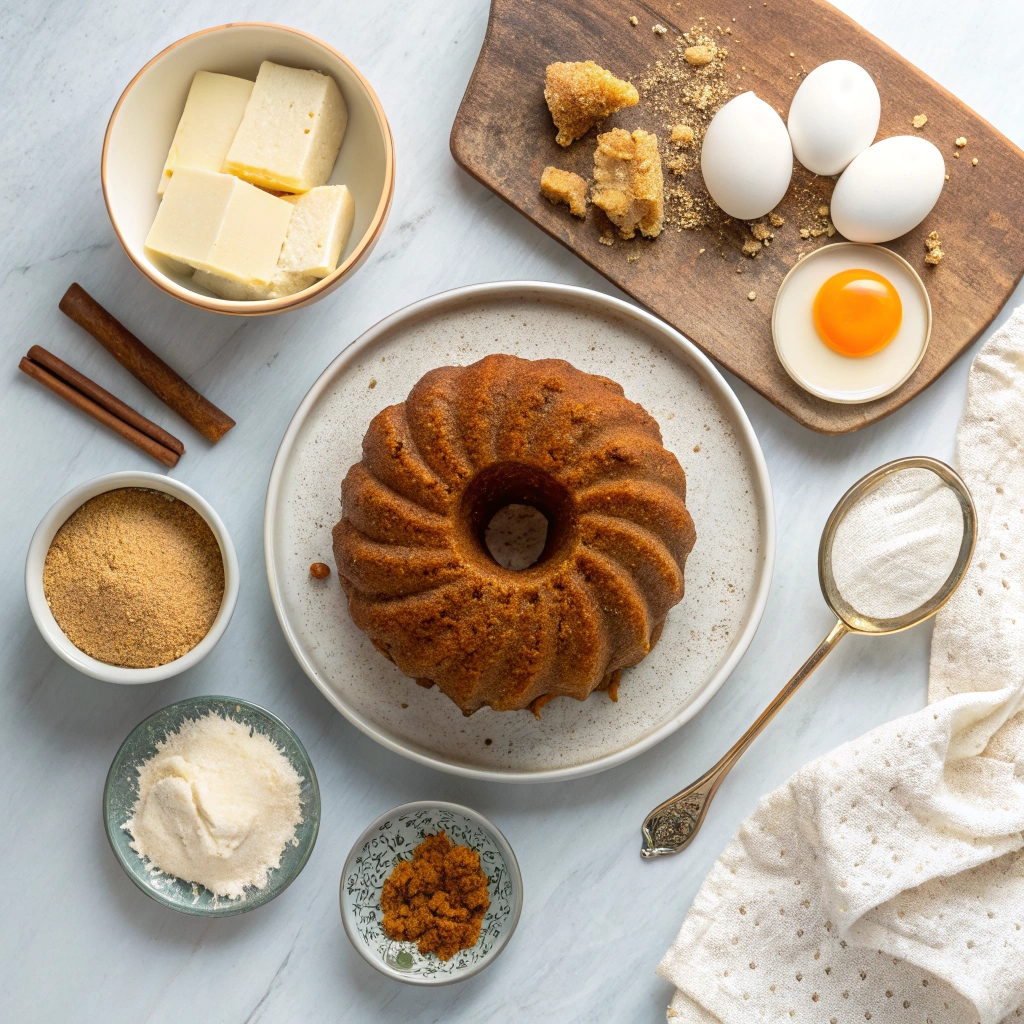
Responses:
[122,790]
[391,838]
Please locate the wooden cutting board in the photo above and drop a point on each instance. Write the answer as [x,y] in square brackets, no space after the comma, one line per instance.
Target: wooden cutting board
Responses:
[504,137]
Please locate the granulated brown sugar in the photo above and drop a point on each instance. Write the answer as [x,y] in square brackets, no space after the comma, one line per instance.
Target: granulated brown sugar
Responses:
[134,578]
[934,255]
[438,899]
[685,89]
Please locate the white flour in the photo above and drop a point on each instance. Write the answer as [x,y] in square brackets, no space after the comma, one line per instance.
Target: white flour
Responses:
[217,805]
[895,547]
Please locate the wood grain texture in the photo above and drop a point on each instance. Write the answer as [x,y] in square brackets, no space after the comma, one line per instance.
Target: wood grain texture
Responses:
[504,137]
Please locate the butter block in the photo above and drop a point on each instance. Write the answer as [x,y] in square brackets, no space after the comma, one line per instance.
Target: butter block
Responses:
[217,223]
[212,114]
[318,231]
[291,130]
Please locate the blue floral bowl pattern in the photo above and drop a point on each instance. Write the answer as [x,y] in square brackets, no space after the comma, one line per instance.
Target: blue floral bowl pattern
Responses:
[391,838]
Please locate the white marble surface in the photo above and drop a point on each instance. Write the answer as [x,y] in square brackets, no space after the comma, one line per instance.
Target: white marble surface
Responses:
[78,942]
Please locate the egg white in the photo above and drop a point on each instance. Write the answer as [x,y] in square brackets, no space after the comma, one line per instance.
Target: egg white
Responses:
[823,371]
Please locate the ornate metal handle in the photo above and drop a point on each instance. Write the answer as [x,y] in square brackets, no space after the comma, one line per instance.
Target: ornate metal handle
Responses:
[671,826]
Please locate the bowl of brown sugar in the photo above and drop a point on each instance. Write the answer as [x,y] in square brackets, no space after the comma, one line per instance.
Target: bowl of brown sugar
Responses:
[430,893]
[131,577]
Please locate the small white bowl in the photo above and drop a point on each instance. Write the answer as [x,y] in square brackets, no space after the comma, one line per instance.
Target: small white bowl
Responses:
[54,635]
[391,838]
[812,364]
[143,123]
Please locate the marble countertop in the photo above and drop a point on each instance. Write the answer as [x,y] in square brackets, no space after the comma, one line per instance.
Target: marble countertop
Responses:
[78,941]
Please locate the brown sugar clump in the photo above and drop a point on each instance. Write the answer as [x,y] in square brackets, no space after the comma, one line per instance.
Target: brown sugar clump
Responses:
[565,187]
[934,246]
[700,55]
[682,134]
[134,578]
[919,120]
[628,183]
[581,93]
[438,899]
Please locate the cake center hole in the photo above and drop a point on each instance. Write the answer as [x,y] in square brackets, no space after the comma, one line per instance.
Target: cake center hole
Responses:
[516,536]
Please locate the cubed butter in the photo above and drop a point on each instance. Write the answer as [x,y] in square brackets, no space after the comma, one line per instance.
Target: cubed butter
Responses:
[283,284]
[318,231]
[212,114]
[217,223]
[291,130]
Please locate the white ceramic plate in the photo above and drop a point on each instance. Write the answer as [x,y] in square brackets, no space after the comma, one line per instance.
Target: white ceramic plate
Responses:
[728,495]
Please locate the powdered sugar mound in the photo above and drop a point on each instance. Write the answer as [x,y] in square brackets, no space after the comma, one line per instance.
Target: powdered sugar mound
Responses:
[218,803]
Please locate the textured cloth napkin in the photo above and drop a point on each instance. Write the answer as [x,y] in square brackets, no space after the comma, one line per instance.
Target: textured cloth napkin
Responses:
[885,881]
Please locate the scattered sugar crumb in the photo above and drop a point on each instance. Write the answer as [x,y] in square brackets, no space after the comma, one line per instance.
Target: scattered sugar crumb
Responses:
[751,296]
[776,220]
[933,244]
[682,134]
[700,55]
[607,239]
[634,20]
[373,383]
[919,120]
[974,161]
[822,211]
[659,29]
[961,142]
[760,231]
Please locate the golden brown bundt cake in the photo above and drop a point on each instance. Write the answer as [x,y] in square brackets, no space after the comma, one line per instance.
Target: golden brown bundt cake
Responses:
[467,442]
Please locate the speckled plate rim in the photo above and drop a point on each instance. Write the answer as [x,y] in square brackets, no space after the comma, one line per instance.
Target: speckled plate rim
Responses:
[511,863]
[856,398]
[586,299]
[234,908]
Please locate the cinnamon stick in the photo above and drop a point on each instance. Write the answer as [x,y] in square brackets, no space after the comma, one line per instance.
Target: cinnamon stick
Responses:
[97,412]
[102,397]
[145,364]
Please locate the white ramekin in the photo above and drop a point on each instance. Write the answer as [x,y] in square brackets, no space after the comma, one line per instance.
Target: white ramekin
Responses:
[40,544]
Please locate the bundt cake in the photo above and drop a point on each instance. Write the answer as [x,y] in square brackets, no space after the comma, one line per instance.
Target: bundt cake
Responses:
[467,442]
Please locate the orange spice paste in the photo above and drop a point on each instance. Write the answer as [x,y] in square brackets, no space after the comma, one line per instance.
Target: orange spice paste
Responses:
[437,899]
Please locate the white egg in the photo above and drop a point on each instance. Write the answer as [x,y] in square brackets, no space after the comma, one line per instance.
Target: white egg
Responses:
[826,373]
[834,116]
[746,158]
[887,190]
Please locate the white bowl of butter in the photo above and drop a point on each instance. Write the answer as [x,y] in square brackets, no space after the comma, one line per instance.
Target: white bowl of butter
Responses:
[143,127]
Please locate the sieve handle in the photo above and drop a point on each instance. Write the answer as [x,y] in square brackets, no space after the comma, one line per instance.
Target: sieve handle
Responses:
[671,826]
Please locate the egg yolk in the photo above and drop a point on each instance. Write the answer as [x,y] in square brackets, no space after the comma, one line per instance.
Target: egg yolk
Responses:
[857,312]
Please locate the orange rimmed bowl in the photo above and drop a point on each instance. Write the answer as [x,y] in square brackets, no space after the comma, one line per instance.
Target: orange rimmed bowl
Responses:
[143,123]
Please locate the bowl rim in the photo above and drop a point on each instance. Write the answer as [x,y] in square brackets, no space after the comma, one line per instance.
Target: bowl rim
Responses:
[852,398]
[504,847]
[235,907]
[55,517]
[262,307]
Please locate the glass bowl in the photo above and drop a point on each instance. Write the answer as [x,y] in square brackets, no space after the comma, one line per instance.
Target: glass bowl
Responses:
[122,790]
[391,838]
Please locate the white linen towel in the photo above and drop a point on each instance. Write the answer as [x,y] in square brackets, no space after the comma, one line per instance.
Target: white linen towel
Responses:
[885,881]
